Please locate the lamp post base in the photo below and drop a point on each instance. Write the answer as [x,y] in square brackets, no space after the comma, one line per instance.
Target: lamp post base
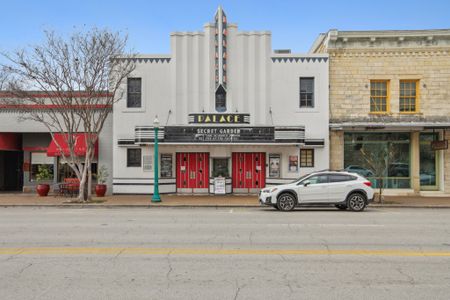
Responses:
[156,198]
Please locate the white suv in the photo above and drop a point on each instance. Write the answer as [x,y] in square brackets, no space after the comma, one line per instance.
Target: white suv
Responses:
[340,188]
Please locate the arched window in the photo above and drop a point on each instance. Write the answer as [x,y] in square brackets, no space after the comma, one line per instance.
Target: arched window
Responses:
[221,99]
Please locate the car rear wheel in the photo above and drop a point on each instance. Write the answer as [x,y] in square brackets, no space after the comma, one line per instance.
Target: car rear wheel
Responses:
[286,202]
[341,206]
[356,202]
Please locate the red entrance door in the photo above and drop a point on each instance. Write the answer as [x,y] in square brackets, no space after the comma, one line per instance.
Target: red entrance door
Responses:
[249,171]
[192,172]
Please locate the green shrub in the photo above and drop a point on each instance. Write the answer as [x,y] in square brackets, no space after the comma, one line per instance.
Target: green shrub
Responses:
[44,173]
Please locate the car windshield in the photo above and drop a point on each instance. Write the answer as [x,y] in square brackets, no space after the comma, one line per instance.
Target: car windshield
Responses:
[300,178]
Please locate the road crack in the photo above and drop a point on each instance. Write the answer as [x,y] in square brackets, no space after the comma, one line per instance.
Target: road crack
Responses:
[288,284]
[14,255]
[238,289]
[169,263]
[250,238]
[24,268]
[409,278]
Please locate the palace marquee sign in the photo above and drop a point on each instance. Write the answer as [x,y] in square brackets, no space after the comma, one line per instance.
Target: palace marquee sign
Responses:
[219,134]
[197,134]
[205,118]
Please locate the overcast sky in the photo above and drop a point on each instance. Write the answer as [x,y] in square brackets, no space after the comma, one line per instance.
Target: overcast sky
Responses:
[294,24]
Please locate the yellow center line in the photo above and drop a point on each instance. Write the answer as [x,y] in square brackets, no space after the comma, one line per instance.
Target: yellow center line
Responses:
[187,251]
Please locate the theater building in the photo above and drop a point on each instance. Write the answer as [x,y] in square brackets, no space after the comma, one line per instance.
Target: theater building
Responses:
[25,145]
[229,107]
[389,99]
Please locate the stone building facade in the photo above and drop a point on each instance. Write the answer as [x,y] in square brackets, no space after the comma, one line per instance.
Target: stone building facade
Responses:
[391,90]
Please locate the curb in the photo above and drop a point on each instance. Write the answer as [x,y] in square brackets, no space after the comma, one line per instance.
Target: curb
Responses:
[408,206]
[112,206]
[124,206]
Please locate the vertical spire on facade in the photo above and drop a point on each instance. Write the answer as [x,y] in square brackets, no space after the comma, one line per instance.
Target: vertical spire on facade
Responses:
[220,47]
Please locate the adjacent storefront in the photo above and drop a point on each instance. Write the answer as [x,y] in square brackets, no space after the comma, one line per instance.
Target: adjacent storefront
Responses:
[390,159]
[389,117]
[379,156]
[27,146]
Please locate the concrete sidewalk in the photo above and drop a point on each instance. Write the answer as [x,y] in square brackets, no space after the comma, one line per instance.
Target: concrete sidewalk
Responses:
[22,199]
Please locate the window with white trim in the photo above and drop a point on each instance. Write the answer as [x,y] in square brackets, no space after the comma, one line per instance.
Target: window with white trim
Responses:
[134,93]
[306,92]
[40,160]
[307,158]
[134,157]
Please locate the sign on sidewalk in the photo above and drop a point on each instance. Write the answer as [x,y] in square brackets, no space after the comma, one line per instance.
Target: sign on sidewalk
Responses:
[219,185]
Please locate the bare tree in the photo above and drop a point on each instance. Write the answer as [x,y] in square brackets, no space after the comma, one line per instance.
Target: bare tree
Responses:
[3,78]
[70,86]
[377,157]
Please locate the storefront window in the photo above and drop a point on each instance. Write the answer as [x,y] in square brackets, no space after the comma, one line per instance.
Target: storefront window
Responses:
[65,171]
[220,167]
[383,158]
[428,161]
[40,159]
[134,157]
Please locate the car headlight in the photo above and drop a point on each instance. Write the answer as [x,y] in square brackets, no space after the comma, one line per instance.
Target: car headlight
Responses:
[270,190]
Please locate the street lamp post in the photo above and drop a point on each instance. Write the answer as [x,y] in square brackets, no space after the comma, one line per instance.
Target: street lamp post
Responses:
[156,197]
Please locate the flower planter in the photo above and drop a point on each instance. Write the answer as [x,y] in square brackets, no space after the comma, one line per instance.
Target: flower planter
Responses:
[42,189]
[100,190]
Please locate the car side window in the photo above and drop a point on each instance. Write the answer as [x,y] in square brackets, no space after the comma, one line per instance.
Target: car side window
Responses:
[316,179]
[340,178]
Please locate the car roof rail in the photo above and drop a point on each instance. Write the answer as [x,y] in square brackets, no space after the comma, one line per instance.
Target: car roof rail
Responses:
[331,170]
[324,170]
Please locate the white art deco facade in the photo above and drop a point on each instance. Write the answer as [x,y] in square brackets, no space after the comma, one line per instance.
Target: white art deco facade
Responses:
[229,106]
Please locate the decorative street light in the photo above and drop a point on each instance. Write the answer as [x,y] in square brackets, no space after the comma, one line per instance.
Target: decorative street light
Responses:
[156,197]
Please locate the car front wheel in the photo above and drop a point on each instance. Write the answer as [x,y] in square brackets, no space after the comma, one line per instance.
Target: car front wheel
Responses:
[356,202]
[286,202]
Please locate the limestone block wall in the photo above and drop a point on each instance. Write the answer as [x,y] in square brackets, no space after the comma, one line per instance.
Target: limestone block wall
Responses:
[352,69]
[336,150]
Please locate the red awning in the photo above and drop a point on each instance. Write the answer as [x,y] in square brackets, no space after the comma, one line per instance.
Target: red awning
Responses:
[10,141]
[79,149]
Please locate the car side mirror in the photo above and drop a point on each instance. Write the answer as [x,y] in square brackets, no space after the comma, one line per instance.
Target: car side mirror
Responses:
[306,183]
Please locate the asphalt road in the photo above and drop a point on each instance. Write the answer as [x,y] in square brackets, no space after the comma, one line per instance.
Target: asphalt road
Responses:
[200,253]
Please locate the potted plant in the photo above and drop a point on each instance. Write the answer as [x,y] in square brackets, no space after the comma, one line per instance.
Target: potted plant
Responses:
[102,176]
[44,174]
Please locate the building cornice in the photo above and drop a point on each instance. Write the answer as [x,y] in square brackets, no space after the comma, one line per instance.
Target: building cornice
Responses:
[147,58]
[435,51]
[392,33]
[381,39]
[290,59]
